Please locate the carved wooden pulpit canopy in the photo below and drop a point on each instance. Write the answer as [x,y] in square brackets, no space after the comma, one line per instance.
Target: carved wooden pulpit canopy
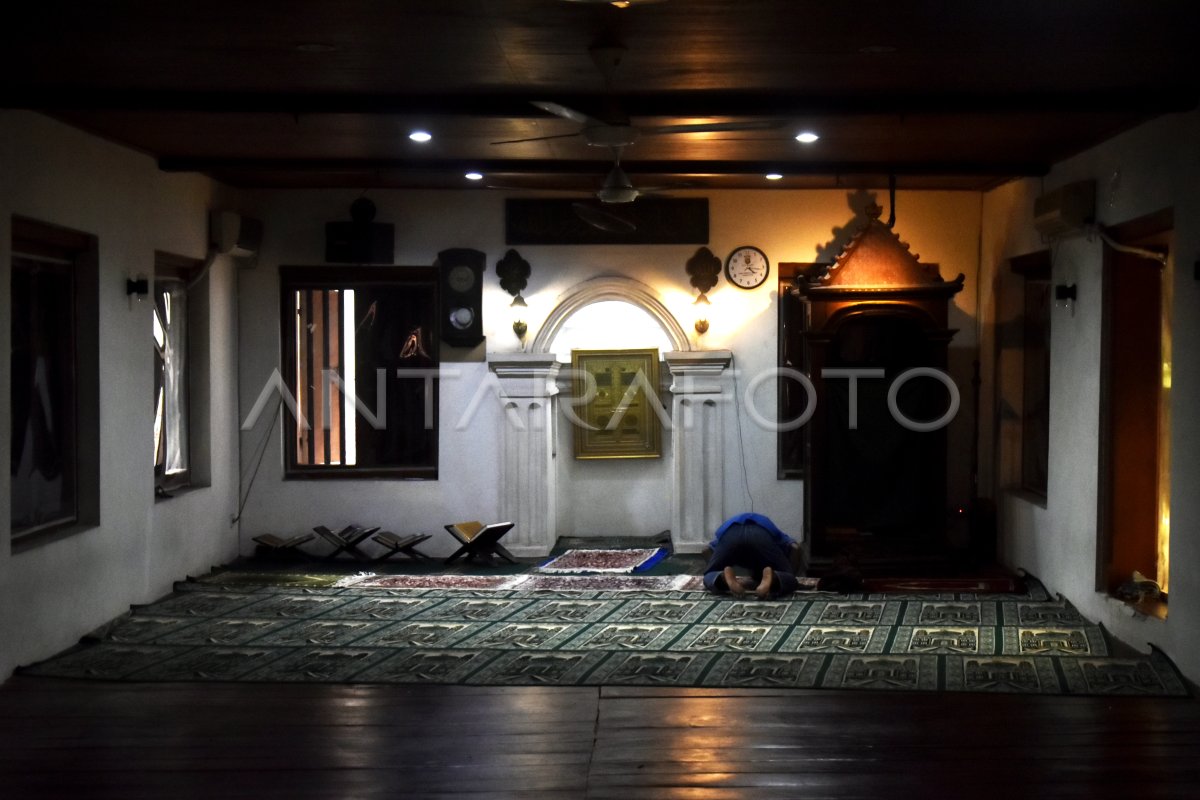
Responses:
[876,267]
[875,487]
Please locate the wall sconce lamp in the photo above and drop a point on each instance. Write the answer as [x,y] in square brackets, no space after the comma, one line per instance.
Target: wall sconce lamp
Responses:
[703,269]
[1064,295]
[514,274]
[136,289]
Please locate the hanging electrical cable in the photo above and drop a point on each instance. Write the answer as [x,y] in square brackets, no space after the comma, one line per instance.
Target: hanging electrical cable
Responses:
[1124,248]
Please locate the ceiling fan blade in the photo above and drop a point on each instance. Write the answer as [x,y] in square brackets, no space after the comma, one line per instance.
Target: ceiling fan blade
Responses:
[504,188]
[603,220]
[666,187]
[712,127]
[539,138]
[567,113]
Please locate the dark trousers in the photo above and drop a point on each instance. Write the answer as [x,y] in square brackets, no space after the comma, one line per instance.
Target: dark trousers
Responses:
[751,547]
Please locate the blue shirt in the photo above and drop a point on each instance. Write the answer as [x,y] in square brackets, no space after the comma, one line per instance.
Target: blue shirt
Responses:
[758,519]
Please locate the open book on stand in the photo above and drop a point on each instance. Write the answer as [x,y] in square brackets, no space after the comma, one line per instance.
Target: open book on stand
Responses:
[479,539]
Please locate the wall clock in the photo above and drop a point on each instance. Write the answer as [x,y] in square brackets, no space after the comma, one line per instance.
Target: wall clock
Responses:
[747,267]
[461,296]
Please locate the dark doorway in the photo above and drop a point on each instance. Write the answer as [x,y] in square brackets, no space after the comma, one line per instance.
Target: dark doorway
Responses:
[884,482]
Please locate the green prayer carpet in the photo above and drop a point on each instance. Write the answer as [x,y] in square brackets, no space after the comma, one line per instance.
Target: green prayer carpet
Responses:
[269,628]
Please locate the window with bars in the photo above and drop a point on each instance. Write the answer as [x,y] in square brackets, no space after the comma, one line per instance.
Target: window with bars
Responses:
[360,358]
[172,369]
[170,383]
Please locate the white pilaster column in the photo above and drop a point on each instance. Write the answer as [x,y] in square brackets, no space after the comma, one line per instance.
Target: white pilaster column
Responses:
[527,472]
[698,445]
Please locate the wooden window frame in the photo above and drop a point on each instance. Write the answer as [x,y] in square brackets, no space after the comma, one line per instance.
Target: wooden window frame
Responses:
[295,278]
[36,238]
[173,267]
[1034,270]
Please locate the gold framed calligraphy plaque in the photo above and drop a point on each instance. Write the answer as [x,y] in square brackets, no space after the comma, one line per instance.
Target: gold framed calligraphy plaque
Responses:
[621,416]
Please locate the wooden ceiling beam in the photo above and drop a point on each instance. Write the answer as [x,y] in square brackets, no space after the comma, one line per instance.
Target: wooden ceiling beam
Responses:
[500,167]
[517,105]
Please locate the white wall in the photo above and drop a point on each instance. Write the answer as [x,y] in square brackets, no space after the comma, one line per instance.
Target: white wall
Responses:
[1152,167]
[52,593]
[594,498]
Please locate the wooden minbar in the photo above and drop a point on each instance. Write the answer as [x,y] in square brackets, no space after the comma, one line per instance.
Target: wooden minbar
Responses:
[875,489]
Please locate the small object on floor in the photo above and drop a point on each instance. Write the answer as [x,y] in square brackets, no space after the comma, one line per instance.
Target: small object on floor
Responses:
[987,585]
[1138,589]
[278,545]
[617,561]
[481,540]
[347,540]
[406,545]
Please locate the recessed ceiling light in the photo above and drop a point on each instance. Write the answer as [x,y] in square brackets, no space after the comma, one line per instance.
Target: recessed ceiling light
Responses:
[774,176]
[474,176]
[806,137]
[420,136]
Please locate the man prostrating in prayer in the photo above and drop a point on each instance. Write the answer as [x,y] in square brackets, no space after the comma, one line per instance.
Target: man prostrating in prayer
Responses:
[752,542]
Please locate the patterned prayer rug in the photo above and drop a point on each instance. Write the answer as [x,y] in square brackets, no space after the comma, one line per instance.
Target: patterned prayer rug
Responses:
[396,629]
[617,561]
[535,583]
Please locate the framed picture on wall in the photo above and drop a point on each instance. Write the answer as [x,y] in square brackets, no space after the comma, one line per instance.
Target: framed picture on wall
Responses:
[620,416]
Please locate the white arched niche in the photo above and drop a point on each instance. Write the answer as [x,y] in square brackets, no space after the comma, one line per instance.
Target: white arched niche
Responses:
[609,313]
[620,496]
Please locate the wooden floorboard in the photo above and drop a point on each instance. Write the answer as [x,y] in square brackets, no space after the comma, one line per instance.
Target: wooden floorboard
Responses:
[82,739]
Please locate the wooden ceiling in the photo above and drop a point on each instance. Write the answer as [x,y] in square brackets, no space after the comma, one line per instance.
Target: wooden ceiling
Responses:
[313,93]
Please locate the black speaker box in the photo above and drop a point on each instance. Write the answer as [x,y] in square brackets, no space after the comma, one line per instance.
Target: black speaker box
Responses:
[360,242]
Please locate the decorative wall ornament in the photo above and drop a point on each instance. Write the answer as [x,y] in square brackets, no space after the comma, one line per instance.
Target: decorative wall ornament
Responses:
[513,272]
[704,269]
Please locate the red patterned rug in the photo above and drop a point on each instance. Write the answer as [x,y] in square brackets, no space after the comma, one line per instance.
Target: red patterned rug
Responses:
[529,583]
[369,581]
[612,561]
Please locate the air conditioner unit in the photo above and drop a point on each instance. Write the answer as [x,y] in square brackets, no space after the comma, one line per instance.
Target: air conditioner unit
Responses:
[1067,209]
[232,234]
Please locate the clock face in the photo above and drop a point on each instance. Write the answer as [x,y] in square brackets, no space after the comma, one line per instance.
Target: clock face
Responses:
[461,318]
[747,267]
[461,278]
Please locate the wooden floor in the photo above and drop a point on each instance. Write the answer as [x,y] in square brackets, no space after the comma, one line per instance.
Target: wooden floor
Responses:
[175,741]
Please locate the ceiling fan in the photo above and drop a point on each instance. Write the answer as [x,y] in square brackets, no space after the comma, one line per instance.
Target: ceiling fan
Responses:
[617,189]
[601,219]
[598,133]
[616,135]
[617,131]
